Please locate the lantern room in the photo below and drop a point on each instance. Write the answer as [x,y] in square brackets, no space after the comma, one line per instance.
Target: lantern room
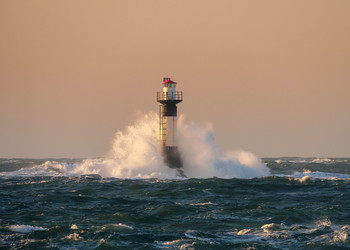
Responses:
[169,88]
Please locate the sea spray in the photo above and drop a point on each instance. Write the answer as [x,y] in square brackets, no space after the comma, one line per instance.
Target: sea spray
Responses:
[136,153]
[204,158]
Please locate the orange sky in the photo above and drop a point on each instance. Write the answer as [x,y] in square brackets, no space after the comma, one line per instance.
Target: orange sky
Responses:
[273,77]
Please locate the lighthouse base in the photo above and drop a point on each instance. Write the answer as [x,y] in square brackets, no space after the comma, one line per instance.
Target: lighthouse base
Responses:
[173,159]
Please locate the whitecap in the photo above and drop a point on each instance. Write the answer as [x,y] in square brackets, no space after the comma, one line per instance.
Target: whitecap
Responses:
[112,227]
[25,228]
[244,231]
[201,204]
[339,236]
[73,237]
[315,175]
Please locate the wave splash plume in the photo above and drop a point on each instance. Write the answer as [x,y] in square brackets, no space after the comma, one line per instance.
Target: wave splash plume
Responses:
[136,153]
[203,158]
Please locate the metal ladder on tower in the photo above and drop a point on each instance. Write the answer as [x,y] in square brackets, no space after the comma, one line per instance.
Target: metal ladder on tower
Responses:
[162,126]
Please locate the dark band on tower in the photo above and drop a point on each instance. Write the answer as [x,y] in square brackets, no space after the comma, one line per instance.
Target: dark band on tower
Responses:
[168,99]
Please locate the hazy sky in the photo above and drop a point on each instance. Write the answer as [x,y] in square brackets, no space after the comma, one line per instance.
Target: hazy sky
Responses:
[273,77]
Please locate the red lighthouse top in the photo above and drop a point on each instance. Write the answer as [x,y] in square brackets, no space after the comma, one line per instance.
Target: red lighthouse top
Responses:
[167,80]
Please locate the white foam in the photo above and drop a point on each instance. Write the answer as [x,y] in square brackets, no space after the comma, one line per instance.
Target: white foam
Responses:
[311,160]
[309,175]
[323,222]
[322,160]
[177,244]
[280,233]
[73,237]
[121,225]
[244,231]
[201,204]
[267,228]
[112,227]
[339,236]
[304,179]
[49,168]
[25,228]
[319,175]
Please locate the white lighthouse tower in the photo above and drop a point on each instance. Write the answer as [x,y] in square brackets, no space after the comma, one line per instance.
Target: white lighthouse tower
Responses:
[168,99]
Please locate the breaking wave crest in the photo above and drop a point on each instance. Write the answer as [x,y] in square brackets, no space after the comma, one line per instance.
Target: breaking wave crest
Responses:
[136,153]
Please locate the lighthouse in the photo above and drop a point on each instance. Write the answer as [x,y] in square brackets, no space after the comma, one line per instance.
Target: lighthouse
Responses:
[168,100]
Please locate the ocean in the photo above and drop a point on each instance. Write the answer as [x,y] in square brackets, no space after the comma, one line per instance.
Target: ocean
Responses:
[299,203]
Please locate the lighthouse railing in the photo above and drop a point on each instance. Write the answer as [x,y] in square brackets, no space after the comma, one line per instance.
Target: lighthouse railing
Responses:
[162,96]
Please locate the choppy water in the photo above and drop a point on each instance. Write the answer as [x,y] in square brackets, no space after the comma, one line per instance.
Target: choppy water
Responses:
[302,203]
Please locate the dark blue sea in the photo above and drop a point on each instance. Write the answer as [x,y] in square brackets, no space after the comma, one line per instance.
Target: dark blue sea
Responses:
[303,203]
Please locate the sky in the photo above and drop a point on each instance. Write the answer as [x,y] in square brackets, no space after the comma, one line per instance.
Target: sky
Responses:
[272,77]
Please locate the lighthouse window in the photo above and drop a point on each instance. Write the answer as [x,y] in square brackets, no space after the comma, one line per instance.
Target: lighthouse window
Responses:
[171,84]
